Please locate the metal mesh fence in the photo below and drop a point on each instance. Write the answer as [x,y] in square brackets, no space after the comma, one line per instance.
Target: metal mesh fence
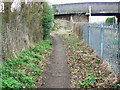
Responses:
[104,40]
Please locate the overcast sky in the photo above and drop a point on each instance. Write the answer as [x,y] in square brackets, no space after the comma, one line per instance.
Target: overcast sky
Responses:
[76,1]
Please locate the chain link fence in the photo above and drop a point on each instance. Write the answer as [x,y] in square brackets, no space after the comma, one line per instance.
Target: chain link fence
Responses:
[104,39]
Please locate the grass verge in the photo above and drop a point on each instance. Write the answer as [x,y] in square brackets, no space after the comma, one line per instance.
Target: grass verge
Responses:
[25,71]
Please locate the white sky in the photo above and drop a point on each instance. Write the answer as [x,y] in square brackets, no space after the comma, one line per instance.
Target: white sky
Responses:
[99,19]
[76,1]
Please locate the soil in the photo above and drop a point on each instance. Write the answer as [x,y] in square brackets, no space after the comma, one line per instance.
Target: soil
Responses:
[57,74]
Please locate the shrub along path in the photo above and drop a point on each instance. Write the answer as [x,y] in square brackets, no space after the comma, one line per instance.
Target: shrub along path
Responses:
[57,74]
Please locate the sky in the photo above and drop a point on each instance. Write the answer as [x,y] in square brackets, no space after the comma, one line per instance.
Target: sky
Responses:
[76,1]
[97,19]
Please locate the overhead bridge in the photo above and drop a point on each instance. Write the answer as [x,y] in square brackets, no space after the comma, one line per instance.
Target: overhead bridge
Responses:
[97,9]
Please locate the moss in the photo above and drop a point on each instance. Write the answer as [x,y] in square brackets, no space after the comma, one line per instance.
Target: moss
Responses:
[7,11]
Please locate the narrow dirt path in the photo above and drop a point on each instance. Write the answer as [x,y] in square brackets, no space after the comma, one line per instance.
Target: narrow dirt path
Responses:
[57,73]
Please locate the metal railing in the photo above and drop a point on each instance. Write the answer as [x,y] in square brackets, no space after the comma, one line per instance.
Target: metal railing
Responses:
[104,39]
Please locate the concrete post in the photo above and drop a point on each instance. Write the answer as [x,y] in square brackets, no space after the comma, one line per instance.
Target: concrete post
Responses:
[118,16]
[102,40]
[118,44]
[119,49]
[89,25]
[89,35]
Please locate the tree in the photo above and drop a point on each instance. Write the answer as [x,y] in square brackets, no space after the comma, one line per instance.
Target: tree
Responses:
[110,20]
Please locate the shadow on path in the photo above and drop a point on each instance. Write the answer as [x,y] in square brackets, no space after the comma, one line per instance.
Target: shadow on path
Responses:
[57,74]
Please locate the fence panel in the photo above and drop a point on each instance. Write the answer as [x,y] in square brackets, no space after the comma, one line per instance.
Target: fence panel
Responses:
[95,38]
[111,46]
[104,40]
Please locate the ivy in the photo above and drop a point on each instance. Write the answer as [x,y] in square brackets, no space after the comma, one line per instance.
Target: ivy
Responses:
[48,18]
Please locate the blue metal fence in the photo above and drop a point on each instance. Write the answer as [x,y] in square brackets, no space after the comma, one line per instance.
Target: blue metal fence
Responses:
[104,39]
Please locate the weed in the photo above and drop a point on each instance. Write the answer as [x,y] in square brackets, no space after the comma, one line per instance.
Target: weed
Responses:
[117,86]
[36,56]
[73,50]
[88,65]
[98,74]
[93,58]
[87,60]
[10,82]
[74,72]
[88,71]
[74,57]
[89,81]
[37,49]
[44,64]
[83,51]
[98,61]
[76,84]
[36,61]
[23,71]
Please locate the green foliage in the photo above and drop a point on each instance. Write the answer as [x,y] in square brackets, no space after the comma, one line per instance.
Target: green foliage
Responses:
[76,84]
[37,49]
[48,18]
[89,81]
[24,70]
[75,57]
[87,60]
[98,61]
[74,72]
[117,86]
[109,20]
[11,83]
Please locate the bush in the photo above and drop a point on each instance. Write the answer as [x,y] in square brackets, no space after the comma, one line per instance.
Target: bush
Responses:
[48,18]
[109,20]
